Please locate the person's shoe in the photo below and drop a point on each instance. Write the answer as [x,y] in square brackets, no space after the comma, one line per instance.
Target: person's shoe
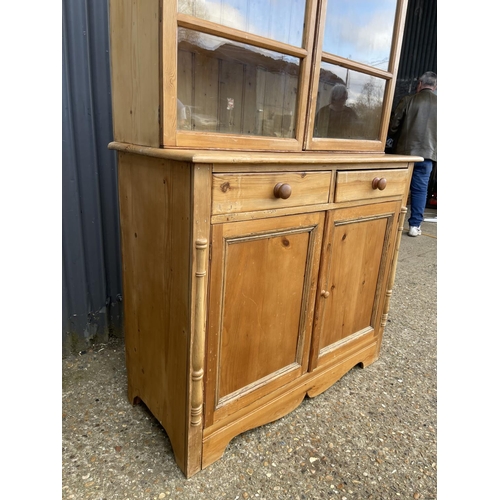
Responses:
[414,231]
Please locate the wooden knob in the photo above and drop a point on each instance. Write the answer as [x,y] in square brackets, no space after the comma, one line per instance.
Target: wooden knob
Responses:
[325,293]
[282,190]
[379,183]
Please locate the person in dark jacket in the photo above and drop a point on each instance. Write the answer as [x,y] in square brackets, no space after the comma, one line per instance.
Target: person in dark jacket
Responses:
[414,127]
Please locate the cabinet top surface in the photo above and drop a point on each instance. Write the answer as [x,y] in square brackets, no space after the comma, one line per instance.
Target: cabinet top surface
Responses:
[251,157]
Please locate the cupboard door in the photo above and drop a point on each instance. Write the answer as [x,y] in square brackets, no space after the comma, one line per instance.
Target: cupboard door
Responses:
[356,260]
[263,279]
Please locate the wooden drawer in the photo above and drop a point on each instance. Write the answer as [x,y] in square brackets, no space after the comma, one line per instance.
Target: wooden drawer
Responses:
[354,185]
[236,193]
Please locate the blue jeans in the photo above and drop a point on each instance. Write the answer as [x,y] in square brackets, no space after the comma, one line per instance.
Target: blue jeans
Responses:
[418,188]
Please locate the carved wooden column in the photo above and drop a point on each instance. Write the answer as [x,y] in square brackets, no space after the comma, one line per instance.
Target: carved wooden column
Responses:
[199,335]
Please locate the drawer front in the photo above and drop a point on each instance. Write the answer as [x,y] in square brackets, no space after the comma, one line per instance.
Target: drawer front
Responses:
[235,193]
[354,185]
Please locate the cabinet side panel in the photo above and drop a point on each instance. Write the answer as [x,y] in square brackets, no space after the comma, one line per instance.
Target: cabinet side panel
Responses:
[135,73]
[155,232]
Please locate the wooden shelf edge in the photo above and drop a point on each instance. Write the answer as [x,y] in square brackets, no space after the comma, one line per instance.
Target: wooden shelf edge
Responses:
[259,157]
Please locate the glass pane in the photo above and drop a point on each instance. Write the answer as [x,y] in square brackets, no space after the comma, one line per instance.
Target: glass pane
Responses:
[349,104]
[281,20]
[360,30]
[228,87]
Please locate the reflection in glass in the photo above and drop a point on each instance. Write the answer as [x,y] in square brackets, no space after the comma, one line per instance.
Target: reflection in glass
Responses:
[281,20]
[229,87]
[349,104]
[360,30]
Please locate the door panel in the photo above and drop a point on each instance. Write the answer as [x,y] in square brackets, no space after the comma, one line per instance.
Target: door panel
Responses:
[358,249]
[257,269]
[352,287]
[263,282]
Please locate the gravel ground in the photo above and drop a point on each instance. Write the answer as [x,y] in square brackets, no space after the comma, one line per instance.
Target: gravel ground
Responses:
[372,435]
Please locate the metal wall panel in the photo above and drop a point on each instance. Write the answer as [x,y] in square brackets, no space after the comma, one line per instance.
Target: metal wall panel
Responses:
[419,48]
[91,251]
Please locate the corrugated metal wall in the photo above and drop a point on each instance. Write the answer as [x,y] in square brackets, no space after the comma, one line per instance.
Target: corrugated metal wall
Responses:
[419,48]
[91,250]
[92,308]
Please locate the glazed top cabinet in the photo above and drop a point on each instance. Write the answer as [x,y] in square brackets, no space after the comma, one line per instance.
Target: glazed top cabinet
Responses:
[260,219]
[265,75]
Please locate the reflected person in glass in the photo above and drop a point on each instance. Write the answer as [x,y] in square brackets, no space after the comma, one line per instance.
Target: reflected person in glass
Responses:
[336,120]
